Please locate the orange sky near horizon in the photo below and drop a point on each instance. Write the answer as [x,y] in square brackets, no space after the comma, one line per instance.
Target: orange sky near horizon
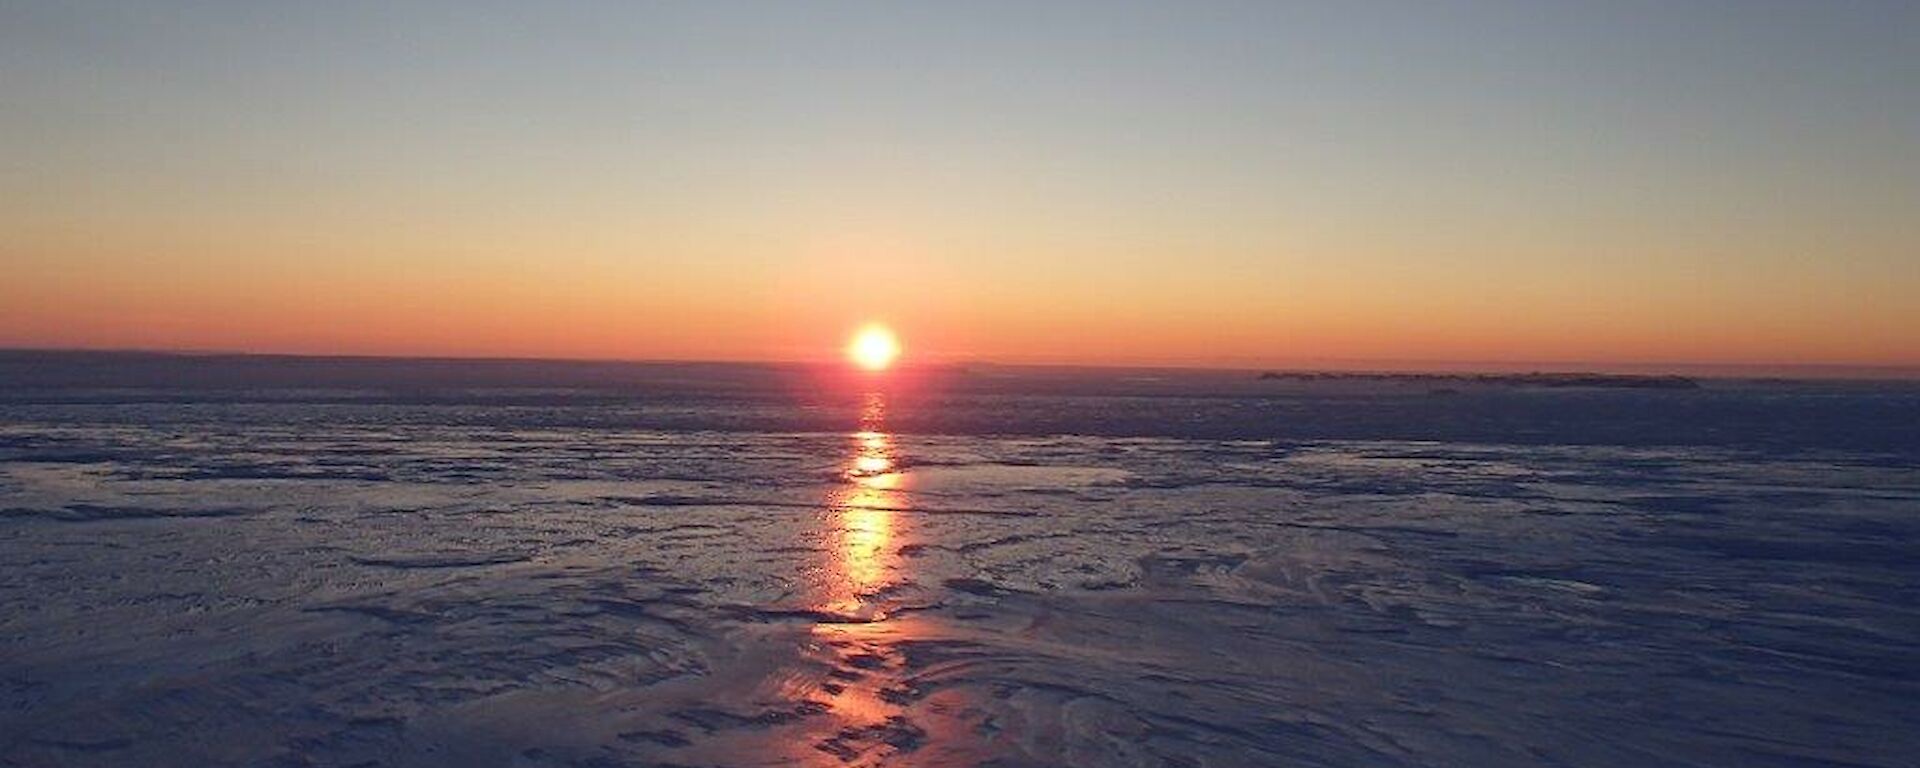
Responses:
[805,314]
[1099,184]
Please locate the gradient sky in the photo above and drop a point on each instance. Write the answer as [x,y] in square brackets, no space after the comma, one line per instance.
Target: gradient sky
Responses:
[1198,184]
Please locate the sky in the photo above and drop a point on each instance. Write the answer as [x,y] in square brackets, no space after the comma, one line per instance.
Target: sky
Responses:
[1211,184]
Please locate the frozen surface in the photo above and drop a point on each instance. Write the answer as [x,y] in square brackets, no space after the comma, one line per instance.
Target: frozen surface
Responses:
[1288,578]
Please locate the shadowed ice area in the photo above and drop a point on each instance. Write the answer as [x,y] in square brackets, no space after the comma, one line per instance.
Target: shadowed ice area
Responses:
[1231,577]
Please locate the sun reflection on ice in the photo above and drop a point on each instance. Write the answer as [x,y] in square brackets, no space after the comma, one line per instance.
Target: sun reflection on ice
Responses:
[864,513]
[853,665]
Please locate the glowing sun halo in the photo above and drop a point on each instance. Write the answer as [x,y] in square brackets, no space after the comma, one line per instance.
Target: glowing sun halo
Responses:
[873,348]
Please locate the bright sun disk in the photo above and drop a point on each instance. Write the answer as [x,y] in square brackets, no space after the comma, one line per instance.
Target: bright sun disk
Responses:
[873,348]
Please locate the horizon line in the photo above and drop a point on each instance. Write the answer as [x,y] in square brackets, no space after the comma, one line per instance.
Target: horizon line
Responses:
[1340,365]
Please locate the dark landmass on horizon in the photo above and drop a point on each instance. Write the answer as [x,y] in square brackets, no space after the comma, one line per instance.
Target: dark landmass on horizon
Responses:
[1569,379]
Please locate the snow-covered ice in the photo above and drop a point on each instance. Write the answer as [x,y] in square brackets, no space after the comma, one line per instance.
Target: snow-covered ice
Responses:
[1000,574]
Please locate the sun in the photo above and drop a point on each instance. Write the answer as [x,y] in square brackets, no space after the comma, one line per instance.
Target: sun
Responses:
[873,348]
